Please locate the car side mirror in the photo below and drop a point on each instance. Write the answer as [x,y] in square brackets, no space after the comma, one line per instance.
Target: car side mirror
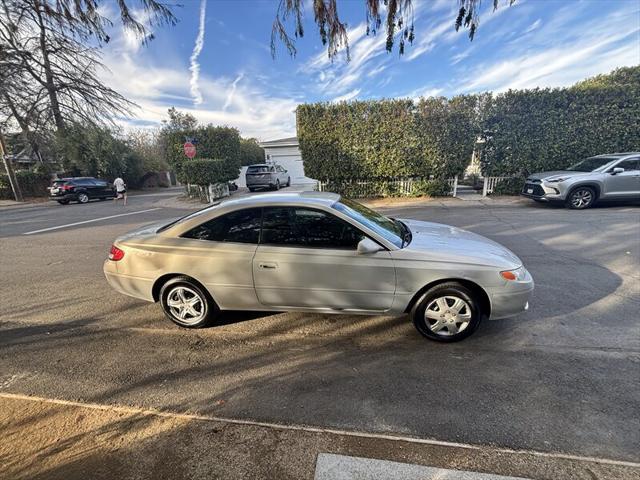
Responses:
[617,170]
[366,245]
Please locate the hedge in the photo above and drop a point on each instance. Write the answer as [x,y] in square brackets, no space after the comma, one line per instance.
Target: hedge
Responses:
[32,184]
[524,131]
[210,142]
[540,130]
[204,171]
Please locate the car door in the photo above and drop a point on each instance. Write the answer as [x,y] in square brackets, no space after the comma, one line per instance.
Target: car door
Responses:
[625,184]
[219,253]
[102,189]
[307,258]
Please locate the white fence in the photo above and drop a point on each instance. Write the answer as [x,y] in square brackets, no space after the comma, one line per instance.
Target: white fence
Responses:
[490,184]
[207,194]
[400,186]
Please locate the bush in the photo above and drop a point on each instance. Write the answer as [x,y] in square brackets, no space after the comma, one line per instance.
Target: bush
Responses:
[509,186]
[432,188]
[250,152]
[32,184]
[204,171]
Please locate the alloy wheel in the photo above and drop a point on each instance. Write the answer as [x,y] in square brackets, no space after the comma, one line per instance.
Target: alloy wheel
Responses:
[83,198]
[581,198]
[186,305]
[447,315]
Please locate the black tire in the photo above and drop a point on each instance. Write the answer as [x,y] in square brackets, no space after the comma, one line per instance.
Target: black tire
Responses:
[251,189]
[537,200]
[209,307]
[580,198]
[277,187]
[63,202]
[448,326]
[83,197]
[288,181]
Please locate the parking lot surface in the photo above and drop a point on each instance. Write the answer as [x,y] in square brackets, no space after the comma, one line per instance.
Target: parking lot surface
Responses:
[564,377]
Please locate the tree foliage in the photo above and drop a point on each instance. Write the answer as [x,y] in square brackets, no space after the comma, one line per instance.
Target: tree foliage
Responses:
[96,151]
[205,171]
[396,15]
[250,152]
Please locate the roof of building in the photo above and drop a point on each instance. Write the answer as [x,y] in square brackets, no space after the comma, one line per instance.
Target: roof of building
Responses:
[280,142]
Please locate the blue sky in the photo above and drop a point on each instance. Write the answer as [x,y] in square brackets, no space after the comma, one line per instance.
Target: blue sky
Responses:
[230,78]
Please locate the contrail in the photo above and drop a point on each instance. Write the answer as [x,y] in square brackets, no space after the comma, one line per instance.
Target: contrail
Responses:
[197,48]
[232,91]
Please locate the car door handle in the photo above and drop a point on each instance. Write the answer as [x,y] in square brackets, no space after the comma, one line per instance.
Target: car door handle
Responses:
[267,266]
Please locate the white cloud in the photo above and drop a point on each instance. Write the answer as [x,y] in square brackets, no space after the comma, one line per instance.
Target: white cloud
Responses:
[347,96]
[533,26]
[232,91]
[197,48]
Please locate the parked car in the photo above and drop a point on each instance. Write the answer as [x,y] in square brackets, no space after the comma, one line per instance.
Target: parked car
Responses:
[80,189]
[614,176]
[319,252]
[267,175]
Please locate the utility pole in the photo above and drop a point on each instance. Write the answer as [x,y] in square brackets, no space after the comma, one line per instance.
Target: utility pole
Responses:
[17,193]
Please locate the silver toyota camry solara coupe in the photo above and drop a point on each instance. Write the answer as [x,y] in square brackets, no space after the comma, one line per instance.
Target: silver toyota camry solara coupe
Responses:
[319,252]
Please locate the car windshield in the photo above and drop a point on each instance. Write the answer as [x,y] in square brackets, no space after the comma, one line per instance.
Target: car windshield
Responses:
[592,164]
[373,220]
[261,169]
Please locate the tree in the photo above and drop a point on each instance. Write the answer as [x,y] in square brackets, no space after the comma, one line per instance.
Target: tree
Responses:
[250,151]
[397,18]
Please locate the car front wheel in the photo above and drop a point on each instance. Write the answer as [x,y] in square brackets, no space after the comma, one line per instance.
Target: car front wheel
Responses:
[447,312]
[581,198]
[186,304]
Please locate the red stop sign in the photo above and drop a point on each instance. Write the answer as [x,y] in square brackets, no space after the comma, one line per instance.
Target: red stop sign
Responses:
[189,149]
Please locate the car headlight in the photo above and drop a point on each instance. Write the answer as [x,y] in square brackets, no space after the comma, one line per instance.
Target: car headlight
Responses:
[517,275]
[557,179]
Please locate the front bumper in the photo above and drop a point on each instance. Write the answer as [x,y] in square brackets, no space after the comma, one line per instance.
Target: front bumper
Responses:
[512,298]
[546,192]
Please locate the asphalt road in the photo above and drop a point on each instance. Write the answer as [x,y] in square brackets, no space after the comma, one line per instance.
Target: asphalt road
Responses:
[563,377]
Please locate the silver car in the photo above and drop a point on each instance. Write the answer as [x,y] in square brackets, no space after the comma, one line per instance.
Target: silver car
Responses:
[613,176]
[319,252]
[267,175]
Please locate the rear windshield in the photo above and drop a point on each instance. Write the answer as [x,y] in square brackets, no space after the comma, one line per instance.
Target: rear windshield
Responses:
[57,183]
[263,169]
[187,217]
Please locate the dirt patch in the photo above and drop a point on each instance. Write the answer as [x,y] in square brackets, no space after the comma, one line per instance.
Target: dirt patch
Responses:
[47,440]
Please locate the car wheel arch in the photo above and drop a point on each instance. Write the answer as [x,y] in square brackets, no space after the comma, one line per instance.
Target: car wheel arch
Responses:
[483,297]
[160,281]
[595,186]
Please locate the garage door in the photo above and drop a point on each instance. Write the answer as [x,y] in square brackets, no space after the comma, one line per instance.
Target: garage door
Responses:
[294,167]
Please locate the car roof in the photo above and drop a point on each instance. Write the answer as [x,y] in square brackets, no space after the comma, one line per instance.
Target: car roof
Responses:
[302,198]
[262,165]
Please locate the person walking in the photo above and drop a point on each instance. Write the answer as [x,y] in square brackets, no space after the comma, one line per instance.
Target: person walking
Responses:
[121,190]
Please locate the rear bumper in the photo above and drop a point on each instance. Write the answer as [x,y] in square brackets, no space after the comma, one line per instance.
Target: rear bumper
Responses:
[137,287]
[66,196]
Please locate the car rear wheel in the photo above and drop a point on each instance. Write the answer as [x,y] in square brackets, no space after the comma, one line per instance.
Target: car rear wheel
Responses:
[447,312]
[581,198]
[63,202]
[186,304]
[83,197]
[277,184]
[251,189]
[288,181]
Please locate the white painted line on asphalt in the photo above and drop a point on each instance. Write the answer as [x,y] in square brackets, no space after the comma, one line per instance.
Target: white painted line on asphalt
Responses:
[90,221]
[342,467]
[331,431]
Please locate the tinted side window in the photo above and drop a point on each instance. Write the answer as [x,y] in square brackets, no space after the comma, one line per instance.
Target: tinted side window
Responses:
[84,182]
[305,227]
[242,226]
[630,164]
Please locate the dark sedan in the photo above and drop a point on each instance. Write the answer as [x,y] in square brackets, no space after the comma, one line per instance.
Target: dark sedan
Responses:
[80,189]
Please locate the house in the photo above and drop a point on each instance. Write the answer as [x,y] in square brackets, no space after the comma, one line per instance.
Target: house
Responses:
[286,152]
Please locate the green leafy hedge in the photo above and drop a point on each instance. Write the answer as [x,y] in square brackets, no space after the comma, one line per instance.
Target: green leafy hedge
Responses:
[203,171]
[210,142]
[32,184]
[509,186]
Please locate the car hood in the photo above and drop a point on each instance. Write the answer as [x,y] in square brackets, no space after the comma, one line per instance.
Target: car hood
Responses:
[555,173]
[439,242]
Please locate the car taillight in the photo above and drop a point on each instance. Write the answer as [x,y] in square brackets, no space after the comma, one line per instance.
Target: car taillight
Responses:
[115,254]
[67,187]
